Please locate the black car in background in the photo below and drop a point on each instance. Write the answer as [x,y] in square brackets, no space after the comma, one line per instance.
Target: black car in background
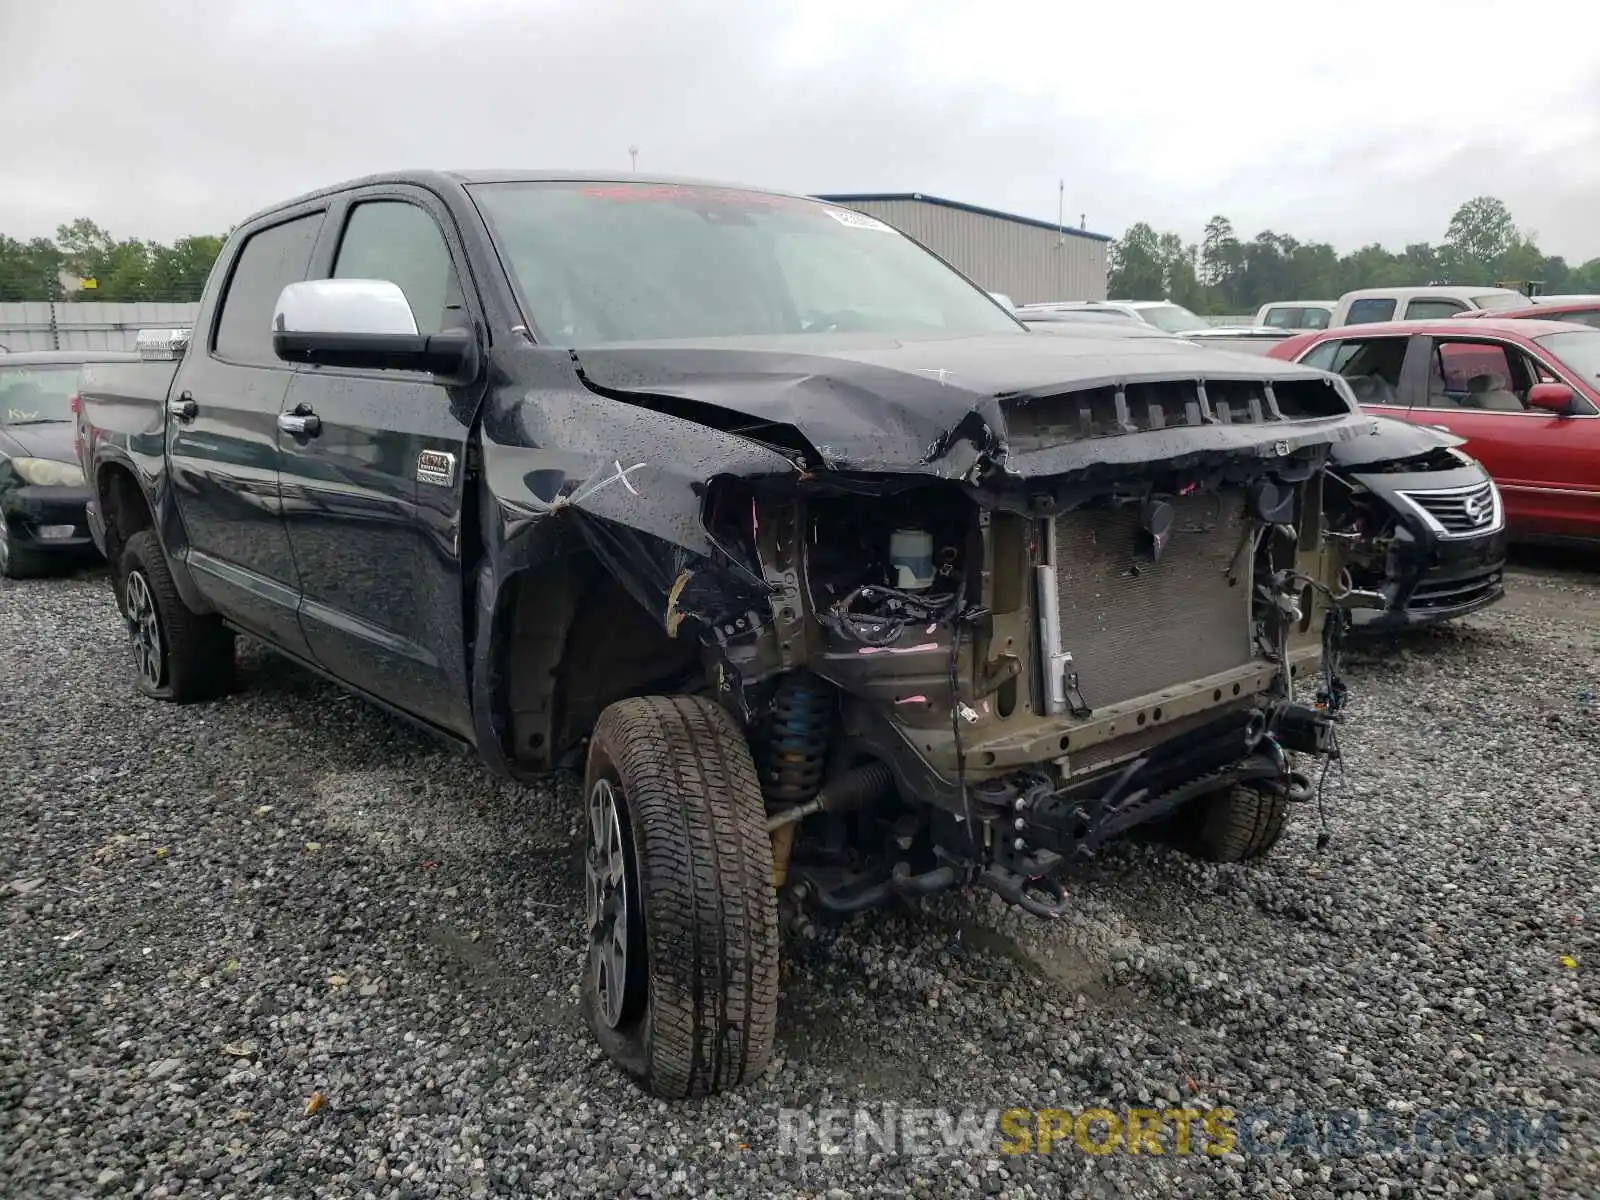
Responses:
[42,489]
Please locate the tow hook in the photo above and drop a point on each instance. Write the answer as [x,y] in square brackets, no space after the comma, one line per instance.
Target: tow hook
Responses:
[1298,788]
[1017,889]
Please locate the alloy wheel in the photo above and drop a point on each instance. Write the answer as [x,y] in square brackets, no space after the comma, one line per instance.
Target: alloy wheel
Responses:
[606,896]
[144,631]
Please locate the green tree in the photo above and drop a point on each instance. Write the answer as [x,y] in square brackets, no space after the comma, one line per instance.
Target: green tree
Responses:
[1137,270]
[1221,256]
[178,272]
[29,270]
[1585,279]
[1520,262]
[1479,236]
[1181,283]
[84,247]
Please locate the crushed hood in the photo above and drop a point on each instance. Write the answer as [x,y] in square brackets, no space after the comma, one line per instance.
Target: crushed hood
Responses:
[854,402]
[1390,441]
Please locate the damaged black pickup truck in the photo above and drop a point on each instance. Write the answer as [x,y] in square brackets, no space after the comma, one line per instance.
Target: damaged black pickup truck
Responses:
[841,584]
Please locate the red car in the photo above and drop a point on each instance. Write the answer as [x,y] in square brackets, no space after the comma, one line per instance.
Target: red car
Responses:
[1583,312]
[1522,392]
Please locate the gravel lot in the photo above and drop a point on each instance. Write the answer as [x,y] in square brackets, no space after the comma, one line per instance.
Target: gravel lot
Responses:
[211,915]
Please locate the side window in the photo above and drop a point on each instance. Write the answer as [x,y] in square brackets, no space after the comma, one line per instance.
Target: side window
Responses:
[1370,365]
[1478,375]
[272,259]
[1590,318]
[1282,318]
[400,242]
[1432,310]
[1315,318]
[1322,355]
[1365,312]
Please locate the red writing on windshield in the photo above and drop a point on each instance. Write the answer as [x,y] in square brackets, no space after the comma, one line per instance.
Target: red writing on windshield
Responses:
[689,195]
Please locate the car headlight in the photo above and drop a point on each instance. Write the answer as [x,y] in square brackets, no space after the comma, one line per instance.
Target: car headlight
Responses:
[1465,460]
[47,473]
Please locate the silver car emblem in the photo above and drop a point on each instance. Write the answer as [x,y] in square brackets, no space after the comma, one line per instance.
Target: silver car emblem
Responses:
[1281,449]
[1477,511]
[437,467]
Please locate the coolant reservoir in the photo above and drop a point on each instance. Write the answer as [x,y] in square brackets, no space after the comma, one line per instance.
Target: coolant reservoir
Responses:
[911,556]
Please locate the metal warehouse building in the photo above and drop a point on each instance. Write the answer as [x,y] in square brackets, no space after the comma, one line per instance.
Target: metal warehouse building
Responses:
[1027,259]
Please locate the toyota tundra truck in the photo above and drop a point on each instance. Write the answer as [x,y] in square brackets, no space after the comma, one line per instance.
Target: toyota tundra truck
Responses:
[839,585]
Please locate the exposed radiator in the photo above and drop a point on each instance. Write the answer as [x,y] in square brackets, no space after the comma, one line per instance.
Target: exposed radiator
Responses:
[1134,627]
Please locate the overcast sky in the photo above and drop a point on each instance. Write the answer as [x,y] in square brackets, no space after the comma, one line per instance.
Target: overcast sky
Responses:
[160,119]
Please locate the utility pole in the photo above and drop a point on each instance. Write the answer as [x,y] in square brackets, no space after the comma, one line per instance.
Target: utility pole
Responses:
[1061,212]
[633,158]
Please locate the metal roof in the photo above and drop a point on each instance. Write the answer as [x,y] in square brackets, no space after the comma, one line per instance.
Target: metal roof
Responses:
[43,358]
[962,206]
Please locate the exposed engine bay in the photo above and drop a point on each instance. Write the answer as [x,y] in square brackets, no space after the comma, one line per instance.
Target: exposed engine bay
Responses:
[1043,669]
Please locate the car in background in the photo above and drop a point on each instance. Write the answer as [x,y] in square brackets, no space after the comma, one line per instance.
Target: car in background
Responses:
[1433,302]
[1162,314]
[1422,524]
[1388,501]
[1296,314]
[1247,339]
[42,489]
[1079,318]
[1579,310]
[1523,394]
[1566,298]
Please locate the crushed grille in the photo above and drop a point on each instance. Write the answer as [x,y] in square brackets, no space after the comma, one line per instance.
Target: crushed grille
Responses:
[1036,422]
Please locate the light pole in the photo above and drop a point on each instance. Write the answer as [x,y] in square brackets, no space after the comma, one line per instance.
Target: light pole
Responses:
[633,157]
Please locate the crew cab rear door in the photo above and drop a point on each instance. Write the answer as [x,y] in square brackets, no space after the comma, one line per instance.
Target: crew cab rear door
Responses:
[1476,387]
[373,498]
[222,437]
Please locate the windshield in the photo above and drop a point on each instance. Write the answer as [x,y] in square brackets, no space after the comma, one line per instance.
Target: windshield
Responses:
[617,262]
[1494,301]
[1579,350]
[35,394]
[1173,318]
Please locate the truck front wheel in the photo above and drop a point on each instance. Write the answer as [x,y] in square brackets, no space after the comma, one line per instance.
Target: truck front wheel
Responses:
[178,654]
[680,985]
[1236,824]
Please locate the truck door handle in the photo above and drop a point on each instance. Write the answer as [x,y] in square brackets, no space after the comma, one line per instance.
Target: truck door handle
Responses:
[302,422]
[184,407]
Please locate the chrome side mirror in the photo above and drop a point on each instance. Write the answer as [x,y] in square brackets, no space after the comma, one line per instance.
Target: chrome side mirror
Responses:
[374,307]
[365,324]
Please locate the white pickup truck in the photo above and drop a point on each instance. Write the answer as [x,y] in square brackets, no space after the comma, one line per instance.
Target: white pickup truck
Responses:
[1370,305]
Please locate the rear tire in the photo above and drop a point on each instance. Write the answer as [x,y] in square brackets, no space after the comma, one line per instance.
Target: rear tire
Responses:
[1234,825]
[679,872]
[178,654]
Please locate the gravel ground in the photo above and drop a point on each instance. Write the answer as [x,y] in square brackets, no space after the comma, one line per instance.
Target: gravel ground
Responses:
[213,915]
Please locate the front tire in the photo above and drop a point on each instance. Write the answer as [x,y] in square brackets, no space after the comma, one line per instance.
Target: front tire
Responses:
[681,982]
[178,654]
[1237,824]
[14,563]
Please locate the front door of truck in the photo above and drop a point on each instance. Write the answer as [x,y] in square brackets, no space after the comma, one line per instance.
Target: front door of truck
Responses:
[222,438]
[372,482]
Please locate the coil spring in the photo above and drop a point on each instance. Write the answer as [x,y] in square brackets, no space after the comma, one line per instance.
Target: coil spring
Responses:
[797,739]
